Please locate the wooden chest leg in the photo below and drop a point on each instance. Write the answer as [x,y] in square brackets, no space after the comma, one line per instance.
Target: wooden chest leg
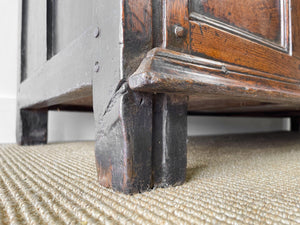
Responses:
[169,140]
[295,124]
[124,141]
[140,144]
[32,127]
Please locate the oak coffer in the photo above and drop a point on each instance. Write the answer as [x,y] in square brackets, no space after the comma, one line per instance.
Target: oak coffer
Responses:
[141,66]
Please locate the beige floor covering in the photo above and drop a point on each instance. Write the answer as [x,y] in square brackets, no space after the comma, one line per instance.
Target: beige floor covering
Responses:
[232,179]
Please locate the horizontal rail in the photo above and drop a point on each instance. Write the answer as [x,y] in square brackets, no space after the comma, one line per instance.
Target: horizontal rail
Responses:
[65,77]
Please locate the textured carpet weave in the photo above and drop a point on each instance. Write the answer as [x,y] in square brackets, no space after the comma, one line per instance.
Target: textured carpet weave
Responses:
[233,179]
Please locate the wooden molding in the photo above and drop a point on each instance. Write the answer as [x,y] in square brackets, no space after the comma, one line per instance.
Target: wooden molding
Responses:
[244,34]
[269,26]
[166,71]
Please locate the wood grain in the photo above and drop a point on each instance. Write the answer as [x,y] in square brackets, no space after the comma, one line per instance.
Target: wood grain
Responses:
[217,44]
[296,27]
[141,143]
[123,118]
[166,71]
[176,14]
[124,142]
[169,158]
[137,33]
[260,17]
[220,104]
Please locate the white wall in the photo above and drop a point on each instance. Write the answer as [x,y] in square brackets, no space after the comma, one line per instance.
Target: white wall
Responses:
[223,125]
[8,68]
[65,126]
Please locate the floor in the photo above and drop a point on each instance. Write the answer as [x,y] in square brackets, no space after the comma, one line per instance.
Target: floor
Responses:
[231,179]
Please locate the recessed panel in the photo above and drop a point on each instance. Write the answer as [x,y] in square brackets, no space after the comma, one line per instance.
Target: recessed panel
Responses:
[261,18]
[34,46]
[296,28]
[71,18]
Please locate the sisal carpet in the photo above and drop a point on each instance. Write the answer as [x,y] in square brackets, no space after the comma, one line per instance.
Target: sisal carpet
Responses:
[232,179]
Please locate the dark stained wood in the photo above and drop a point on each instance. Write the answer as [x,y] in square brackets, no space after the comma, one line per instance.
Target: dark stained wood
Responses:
[50,28]
[213,58]
[223,43]
[217,103]
[169,140]
[66,107]
[208,41]
[176,15]
[157,22]
[123,118]
[262,18]
[296,27]
[126,45]
[124,142]
[260,114]
[137,20]
[220,104]
[32,127]
[166,71]
[295,123]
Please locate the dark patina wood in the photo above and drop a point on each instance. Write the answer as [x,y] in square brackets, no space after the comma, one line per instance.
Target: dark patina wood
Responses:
[176,15]
[166,71]
[295,123]
[169,139]
[142,66]
[124,142]
[295,8]
[32,127]
[238,16]
[123,118]
[216,44]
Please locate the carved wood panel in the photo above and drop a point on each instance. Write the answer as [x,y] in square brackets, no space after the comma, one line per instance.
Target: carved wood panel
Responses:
[295,8]
[260,20]
[255,34]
